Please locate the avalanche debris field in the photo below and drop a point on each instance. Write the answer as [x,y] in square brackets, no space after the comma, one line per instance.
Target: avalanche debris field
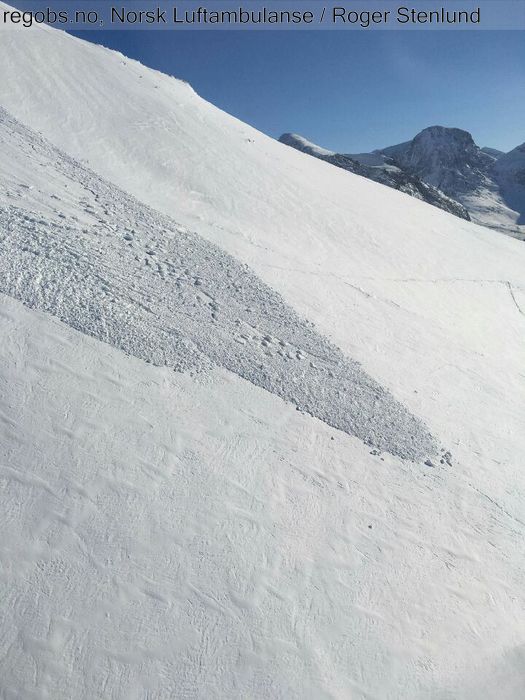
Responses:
[131,277]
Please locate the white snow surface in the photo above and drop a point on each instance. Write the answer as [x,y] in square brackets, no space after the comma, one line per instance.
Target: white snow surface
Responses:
[302,144]
[194,536]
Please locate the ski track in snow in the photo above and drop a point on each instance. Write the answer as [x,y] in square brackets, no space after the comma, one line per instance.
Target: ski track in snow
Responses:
[178,300]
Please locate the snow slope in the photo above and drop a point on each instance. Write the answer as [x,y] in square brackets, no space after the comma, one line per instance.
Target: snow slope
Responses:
[165,537]
[302,144]
[169,535]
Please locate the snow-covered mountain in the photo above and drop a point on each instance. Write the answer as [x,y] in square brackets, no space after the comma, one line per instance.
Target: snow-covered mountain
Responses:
[477,178]
[248,525]
[446,158]
[444,167]
[380,169]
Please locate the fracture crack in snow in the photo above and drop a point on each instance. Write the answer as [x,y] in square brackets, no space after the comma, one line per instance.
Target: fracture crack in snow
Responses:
[511,290]
[125,274]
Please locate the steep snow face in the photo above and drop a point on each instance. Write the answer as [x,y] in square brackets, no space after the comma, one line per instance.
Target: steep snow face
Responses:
[331,243]
[178,148]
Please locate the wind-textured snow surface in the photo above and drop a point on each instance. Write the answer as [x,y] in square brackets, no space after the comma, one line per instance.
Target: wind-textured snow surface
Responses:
[188,534]
[177,299]
[170,538]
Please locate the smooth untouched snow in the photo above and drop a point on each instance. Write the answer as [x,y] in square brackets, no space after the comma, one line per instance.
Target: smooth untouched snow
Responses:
[168,535]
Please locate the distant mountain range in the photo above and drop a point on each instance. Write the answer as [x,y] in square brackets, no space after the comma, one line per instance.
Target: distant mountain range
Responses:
[444,167]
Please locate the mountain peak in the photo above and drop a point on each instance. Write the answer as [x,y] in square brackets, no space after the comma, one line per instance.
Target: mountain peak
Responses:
[445,144]
[445,157]
[446,133]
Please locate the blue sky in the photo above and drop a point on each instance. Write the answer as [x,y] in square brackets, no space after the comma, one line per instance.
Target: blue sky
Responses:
[348,91]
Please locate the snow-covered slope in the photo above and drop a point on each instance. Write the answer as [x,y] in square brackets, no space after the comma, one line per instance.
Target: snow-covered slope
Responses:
[167,538]
[302,144]
[170,535]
